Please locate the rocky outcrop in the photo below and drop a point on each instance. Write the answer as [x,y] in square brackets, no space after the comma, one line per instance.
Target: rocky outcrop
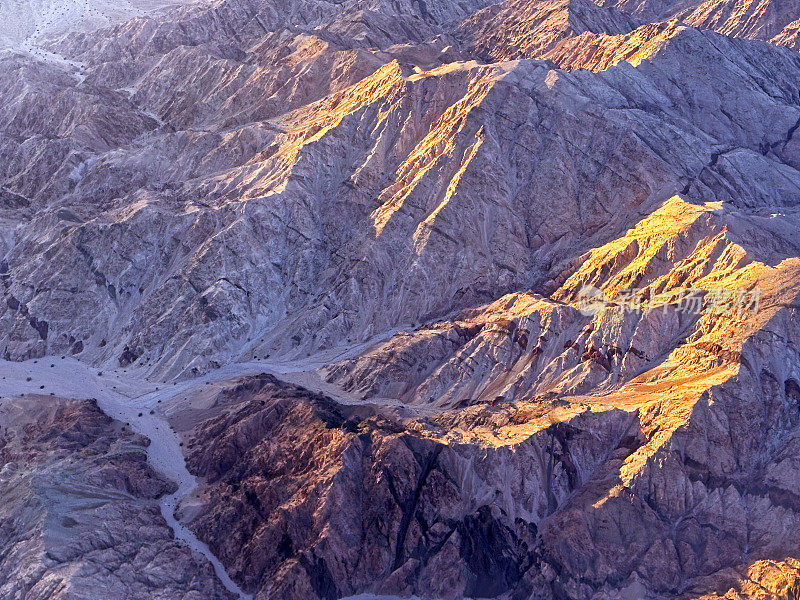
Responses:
[79,516]
[753,19]
[371,504]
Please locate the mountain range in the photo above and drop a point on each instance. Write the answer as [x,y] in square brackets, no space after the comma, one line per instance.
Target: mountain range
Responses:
[307,300]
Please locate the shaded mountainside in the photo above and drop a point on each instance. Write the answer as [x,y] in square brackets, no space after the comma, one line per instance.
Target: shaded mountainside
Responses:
[395,210]
[79,511]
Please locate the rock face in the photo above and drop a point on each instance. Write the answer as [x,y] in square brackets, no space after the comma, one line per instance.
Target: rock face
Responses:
[178,206]
[523,279]
[79,518]
[372,502]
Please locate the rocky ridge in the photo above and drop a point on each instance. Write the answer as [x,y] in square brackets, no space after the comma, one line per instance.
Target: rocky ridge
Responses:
[79,510]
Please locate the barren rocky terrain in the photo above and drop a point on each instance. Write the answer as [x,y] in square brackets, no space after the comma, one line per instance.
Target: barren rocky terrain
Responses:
[79,513]
[307,300]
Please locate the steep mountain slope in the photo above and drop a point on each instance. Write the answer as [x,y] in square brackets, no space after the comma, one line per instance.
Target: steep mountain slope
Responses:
[522,279]
[79,512]
[516,29]
[222,200]
[753,19]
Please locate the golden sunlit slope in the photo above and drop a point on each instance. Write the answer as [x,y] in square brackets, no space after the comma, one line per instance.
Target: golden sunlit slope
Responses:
[702,261]
[519,29]
[578,34]
[682,292]
[753,19]
[790,36]
[269,173]
[598,52]
[703,249]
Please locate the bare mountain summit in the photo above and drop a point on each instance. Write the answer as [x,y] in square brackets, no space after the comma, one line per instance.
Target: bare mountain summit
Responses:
[310,300]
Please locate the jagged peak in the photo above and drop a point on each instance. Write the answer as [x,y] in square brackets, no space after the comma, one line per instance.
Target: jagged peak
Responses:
[789,37]
[598,52]
[753,19]
[518,29]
